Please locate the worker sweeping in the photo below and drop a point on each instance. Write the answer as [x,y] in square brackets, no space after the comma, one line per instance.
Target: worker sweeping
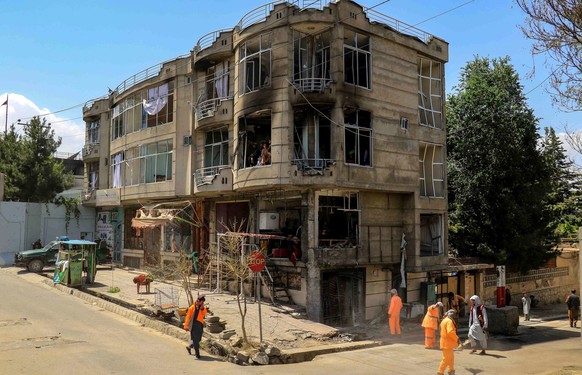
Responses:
[448,342]
[394,312]
[431,325]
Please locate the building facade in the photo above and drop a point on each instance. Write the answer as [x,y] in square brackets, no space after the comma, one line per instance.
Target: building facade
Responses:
[323,123]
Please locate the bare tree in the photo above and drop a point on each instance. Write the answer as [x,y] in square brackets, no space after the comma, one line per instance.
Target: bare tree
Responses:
[555,26]
[234,262]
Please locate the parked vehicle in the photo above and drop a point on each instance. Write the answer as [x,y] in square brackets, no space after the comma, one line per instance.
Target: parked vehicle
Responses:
[36,259]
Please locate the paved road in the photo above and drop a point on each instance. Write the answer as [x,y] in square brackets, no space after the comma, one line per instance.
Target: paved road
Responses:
[44,331]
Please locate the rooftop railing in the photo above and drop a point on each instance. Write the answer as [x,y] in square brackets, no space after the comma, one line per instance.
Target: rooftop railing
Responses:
[397,25]
[144,75]
[208,39]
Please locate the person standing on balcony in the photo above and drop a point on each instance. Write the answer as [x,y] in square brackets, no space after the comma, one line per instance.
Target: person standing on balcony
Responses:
[266,153]
[431,325]
[195,323]
[394,313]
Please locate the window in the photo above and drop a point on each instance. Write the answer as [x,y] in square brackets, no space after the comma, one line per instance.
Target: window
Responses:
[432,170]
[311,61]
[357,59]
[144,164]
[430,93]
[214,91]
[312,139]
[338,219]
[93,176]
[358,137]
[216,148]
[155,162]
[93,132]
[431,235]
[254,143]
[255,64]
[147,108]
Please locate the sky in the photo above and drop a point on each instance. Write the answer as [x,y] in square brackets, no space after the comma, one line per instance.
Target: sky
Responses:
[58,55]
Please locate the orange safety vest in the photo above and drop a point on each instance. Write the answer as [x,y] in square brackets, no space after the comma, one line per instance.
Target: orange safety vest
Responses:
[449,338]
[431,319]
[201,314]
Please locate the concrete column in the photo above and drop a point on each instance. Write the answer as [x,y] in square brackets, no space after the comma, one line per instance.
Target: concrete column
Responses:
[308,234]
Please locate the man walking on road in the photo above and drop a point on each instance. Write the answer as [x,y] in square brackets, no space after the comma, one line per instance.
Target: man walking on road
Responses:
[478,325]
[431,325]
[526,301]
[394,312]
[194,323]
[573,302]
[449,341]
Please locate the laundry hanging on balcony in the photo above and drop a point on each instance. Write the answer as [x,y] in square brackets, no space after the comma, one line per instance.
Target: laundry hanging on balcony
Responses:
[157,99]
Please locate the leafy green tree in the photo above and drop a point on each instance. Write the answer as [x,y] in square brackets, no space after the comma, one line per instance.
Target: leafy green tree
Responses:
[33,173]
[498,177]
[565,198]
[10,161]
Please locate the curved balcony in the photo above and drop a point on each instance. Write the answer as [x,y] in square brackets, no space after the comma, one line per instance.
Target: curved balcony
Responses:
[90,151]
[144,75]
[209,39]
[261,13]
[216,179]
[209,112]
[312,84]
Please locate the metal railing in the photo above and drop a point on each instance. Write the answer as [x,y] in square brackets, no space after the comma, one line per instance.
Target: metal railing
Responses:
[313,163]
[89,104]
[312,84]
[144,75]
[397,25]
[208,39]
[207,108]
[204,176]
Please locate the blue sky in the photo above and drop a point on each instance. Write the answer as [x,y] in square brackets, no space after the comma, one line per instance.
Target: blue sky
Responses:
[57,55]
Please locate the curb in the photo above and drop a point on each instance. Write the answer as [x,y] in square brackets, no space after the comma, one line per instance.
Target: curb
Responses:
[132,312]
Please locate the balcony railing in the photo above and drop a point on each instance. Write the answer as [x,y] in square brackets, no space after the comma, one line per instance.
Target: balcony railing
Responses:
[316,163]
[204,176]
[207,108]
[89,104]
[142,76]
[208,39]
[397,25]
[312,84]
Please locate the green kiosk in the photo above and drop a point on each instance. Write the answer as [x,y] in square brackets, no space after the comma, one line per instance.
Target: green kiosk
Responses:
[76,263]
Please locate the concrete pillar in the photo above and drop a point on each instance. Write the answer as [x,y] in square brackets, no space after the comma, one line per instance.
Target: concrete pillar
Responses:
[313,295]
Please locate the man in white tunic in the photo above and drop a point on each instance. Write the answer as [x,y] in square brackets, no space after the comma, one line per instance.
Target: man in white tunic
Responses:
[478,324]
[526,301]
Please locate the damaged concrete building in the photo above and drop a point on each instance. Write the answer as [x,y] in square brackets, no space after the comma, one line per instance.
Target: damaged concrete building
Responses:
[322,121]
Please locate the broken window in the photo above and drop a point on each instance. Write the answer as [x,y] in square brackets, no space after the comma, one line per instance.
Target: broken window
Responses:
[216,89]
[216,148]
[358,137]
[311,61]
[431,235]
[93,176]
[93,132]
[430,93]
[146,108]
[312,139]
[357,59]
[255,64]
[254,144]
[432,170]
[338,220]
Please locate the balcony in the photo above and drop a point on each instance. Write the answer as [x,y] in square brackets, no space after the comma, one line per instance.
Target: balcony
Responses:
[90,151]
[313,166]
[213,179]
[213,111]
[312,84]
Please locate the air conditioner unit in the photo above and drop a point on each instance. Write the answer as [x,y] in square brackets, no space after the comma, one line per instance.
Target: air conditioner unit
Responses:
[268,221]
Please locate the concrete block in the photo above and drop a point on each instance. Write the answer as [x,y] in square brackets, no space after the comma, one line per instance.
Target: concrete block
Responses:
[504,320]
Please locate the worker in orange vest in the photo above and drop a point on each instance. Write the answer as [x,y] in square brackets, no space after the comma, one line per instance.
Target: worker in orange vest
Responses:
[431,325]
[394,312]
[195,323]
[449,341]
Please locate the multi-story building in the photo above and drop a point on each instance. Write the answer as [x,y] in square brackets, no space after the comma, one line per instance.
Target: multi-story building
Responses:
[323,123]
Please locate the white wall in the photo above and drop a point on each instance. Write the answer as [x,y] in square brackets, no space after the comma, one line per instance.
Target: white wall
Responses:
[23,223]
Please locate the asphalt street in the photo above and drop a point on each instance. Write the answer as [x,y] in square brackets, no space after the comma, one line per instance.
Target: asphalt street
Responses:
[46,331]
